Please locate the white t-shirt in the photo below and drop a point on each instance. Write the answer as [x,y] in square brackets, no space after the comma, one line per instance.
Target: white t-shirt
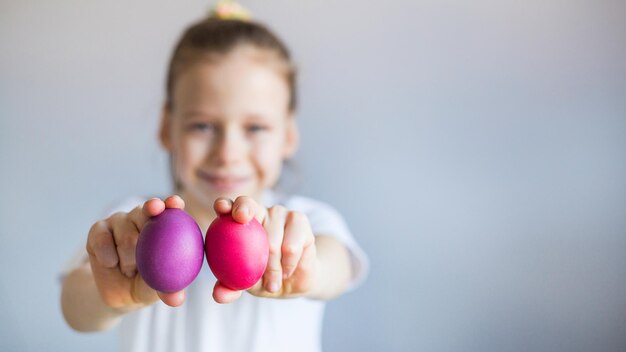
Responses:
[250,324]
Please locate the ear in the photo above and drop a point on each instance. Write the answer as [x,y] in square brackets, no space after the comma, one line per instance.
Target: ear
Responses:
[165,134]
[292,140]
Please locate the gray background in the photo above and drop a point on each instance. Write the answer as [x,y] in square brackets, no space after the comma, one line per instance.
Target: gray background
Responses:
[476,148]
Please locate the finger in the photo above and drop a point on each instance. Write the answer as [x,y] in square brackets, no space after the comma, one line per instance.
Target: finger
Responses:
[174,201]
[138,217]
[245,208]
[223,294]
[174,299]
[222,206]
[298,235]
[101,245]
[275,227]
[125,234]
[153,207]
[308,261]
[141,214]
[142,292]
[306,271]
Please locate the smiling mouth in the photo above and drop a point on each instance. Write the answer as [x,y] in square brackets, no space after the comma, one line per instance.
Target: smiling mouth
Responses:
[223,182]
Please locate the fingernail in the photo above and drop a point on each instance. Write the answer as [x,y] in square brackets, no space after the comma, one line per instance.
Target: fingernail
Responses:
[286,273]
[130,273]
[273,287]
[244,209]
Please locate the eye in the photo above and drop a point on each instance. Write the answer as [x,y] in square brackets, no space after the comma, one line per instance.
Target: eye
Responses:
[256,128]
[200,127]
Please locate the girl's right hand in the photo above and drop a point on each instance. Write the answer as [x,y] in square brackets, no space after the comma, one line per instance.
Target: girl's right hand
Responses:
[111,248]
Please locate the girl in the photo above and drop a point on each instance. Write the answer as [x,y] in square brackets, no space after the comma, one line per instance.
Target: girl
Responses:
[228,124]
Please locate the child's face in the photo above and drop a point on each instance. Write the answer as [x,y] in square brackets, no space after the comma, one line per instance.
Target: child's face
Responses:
[229,128]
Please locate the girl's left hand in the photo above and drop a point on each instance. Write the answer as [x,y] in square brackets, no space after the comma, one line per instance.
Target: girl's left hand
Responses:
[292,265]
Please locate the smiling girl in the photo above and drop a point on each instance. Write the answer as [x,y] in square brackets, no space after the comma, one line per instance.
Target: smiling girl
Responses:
[228,124]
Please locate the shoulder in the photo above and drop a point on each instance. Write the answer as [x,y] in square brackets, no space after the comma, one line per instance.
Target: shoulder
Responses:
[323,218]
[304,204]
[321,215]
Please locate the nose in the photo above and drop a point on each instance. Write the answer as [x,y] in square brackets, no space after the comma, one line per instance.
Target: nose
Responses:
[229,146]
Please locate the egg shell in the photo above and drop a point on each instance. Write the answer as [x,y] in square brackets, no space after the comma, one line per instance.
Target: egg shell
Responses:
[170,251]
[236,253]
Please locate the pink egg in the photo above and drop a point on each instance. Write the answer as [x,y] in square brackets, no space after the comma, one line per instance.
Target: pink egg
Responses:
[237,253]
[170,251]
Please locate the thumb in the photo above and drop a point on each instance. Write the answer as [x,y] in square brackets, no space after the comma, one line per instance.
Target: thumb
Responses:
[173,299]
[223,294]
[145,294]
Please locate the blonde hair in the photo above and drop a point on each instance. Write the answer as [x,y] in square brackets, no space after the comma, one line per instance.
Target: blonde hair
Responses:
[215,35]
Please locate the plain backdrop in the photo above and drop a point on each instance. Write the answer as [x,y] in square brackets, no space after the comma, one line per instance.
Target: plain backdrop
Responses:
[477,150]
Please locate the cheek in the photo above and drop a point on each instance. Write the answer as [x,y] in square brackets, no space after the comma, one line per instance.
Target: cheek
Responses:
[269,159]
[191,153]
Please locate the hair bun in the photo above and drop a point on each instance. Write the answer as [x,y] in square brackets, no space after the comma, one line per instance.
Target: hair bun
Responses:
[229,10]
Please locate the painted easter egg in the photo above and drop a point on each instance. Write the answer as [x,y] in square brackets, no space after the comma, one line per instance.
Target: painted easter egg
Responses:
[170,251]
[237,253]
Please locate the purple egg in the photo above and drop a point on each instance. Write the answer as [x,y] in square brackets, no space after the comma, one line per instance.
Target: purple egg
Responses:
[170,251]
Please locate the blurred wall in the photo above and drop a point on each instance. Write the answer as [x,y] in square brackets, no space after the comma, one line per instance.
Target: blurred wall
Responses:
[477,149]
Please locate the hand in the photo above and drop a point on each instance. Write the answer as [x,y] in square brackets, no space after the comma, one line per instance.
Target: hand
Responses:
[111,247]
[292,264]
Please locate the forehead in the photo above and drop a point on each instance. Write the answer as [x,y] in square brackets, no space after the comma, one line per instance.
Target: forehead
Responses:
[244,79]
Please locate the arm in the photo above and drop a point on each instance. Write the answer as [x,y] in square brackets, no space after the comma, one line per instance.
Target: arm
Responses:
[98,293]
[82,305]
[334,268]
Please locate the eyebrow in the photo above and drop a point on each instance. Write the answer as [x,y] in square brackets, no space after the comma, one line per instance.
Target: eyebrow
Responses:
[197,113]
[254,116]
[258,116]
